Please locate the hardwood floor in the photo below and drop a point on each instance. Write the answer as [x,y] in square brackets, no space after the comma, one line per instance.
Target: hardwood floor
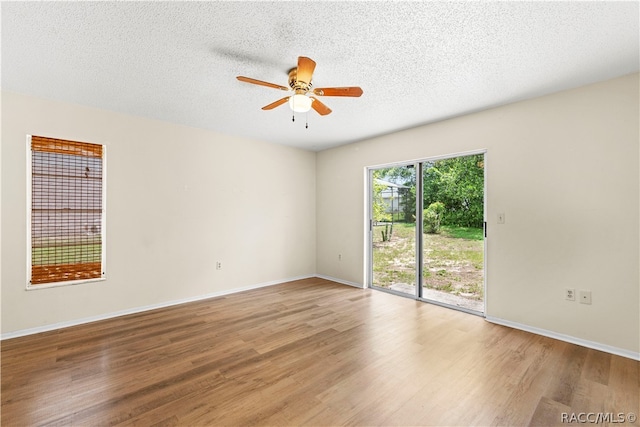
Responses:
[309,352]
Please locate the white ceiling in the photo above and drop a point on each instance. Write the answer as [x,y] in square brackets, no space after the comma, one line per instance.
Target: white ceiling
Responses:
[416,62]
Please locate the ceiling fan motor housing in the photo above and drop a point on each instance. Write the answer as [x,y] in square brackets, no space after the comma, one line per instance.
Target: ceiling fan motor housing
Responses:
[298,85]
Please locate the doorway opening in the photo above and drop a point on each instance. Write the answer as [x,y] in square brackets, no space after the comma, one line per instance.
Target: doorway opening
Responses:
[426,230]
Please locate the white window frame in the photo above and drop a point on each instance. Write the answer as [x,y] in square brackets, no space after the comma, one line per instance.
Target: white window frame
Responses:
[103,226]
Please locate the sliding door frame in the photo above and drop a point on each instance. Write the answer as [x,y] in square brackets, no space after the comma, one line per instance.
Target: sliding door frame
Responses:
[419,168]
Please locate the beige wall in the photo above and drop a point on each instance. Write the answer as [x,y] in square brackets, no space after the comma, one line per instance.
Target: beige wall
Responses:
[564,170]
[178,199]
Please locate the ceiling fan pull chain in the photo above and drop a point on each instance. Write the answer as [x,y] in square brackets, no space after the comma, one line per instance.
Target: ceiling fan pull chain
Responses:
[293,118]
[306,121]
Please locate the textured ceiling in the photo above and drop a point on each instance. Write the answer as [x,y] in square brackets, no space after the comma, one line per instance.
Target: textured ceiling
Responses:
[416,62]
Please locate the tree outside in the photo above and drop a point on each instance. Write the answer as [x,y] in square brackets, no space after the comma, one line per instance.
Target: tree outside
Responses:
[458,183]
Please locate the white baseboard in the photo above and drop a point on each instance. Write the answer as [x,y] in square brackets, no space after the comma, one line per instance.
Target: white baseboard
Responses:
[343,282]
[567,338]
[134,310]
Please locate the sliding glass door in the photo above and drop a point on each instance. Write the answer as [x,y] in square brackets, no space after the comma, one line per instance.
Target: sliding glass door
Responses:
[453,232]
[393,229]
[427,235]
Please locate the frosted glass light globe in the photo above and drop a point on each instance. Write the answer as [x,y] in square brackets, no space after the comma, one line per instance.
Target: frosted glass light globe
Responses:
[300,103]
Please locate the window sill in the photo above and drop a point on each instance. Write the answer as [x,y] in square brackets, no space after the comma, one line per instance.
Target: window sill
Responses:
[59,284]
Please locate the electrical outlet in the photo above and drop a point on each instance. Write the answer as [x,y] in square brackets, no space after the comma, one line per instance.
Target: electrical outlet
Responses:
[570,294]
[218,265]
[585,297]
[501,218]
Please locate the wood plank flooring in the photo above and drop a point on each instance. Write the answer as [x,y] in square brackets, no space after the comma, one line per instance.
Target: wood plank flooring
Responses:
[310,352]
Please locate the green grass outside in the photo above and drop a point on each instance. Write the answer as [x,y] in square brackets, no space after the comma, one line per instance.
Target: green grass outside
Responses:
[66,254]
[408,229]
[400,229]
[463,232]
[454,259]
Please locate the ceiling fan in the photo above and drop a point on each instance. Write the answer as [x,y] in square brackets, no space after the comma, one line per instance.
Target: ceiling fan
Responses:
[303,97]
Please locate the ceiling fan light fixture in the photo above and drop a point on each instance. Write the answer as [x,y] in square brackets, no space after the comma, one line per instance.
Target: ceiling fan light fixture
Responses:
[300,103]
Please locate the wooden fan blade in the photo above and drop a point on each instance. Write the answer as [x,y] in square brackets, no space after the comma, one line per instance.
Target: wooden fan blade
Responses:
[305,69]
[261,83]
[322,109]
[354,91]
[278,103]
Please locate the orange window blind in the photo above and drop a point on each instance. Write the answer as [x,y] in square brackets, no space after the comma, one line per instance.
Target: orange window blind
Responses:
[66,210]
